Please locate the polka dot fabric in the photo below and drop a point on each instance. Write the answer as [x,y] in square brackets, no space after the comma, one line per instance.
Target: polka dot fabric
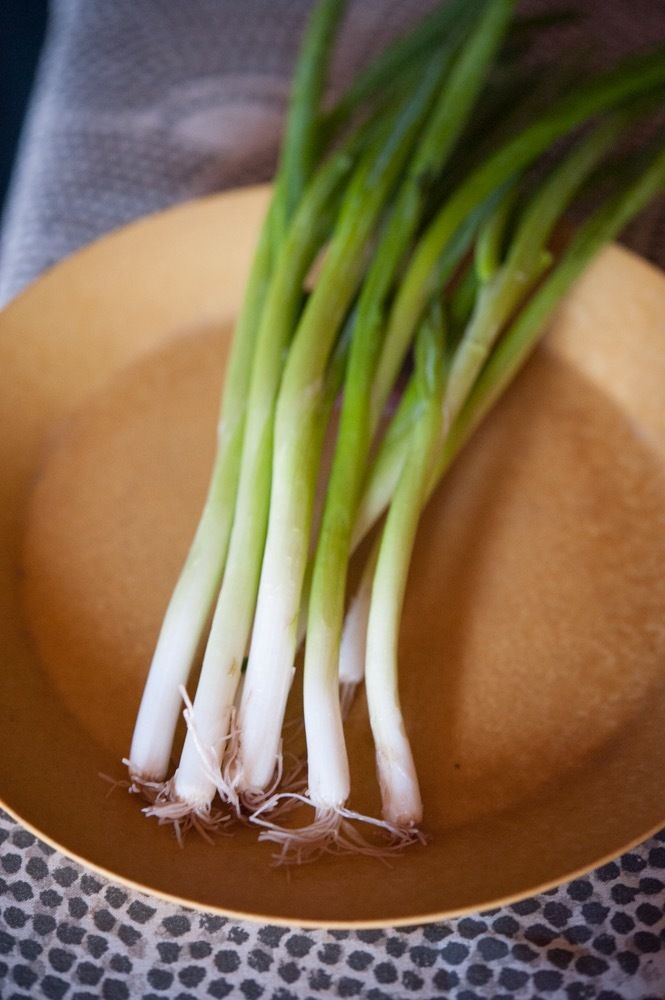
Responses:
[138,106]
[65,932]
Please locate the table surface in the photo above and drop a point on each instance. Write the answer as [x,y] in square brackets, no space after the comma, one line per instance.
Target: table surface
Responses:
[138,106]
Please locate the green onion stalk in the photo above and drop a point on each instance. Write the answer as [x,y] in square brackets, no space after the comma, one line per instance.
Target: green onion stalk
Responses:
[395,66]
[507,359]
[636,77]
[398,781]
[295,458]
[193,785]
[192,600]
[387,461]
[353,642]
[521,337]
[193,597]
[506,286]
[352,649]
[328,770]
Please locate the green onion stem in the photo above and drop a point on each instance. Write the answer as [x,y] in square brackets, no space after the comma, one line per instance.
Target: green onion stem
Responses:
[522,336]
[443,25]
[385,469]
[634,77]
[191,602]
[488,251]
[296,459]
[301,143]
[458,90]
[515,345]
[232,620]
[193,596]
[400,794]
[511,282]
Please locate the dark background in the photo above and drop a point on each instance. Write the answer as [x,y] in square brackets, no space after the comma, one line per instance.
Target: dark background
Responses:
[22,28]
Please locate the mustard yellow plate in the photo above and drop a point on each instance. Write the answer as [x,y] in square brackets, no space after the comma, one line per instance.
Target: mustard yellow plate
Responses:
[533,642]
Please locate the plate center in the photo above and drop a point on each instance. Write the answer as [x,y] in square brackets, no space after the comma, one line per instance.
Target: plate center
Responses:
[533,629]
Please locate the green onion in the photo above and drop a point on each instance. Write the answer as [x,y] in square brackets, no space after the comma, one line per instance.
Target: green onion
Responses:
[296,460]
[301,145]
[400,794]
[194,594]
[195,591]
[410,222]
[397,61]
[232,620]
[353,643]
[328,775]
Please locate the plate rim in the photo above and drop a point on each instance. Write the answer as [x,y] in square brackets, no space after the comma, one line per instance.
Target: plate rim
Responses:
[308,924]
[51,273]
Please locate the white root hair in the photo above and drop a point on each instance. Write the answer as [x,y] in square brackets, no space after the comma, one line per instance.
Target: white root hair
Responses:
[289,775]
[206,821]
[148,789]
[167,808]
[331,832]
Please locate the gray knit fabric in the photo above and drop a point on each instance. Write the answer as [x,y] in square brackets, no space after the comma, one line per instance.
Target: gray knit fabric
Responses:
[143,103]
[139,104]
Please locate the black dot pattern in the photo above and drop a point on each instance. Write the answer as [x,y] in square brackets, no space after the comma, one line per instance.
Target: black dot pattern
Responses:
[76,936]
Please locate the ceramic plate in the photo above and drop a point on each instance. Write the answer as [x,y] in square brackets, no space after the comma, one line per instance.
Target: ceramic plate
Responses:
[533,642]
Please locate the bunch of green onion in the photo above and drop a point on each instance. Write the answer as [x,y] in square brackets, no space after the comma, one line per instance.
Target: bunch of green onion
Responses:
[430,216]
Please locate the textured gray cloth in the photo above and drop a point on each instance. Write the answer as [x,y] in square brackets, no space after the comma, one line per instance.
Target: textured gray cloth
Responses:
[143,103]
[139,104]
